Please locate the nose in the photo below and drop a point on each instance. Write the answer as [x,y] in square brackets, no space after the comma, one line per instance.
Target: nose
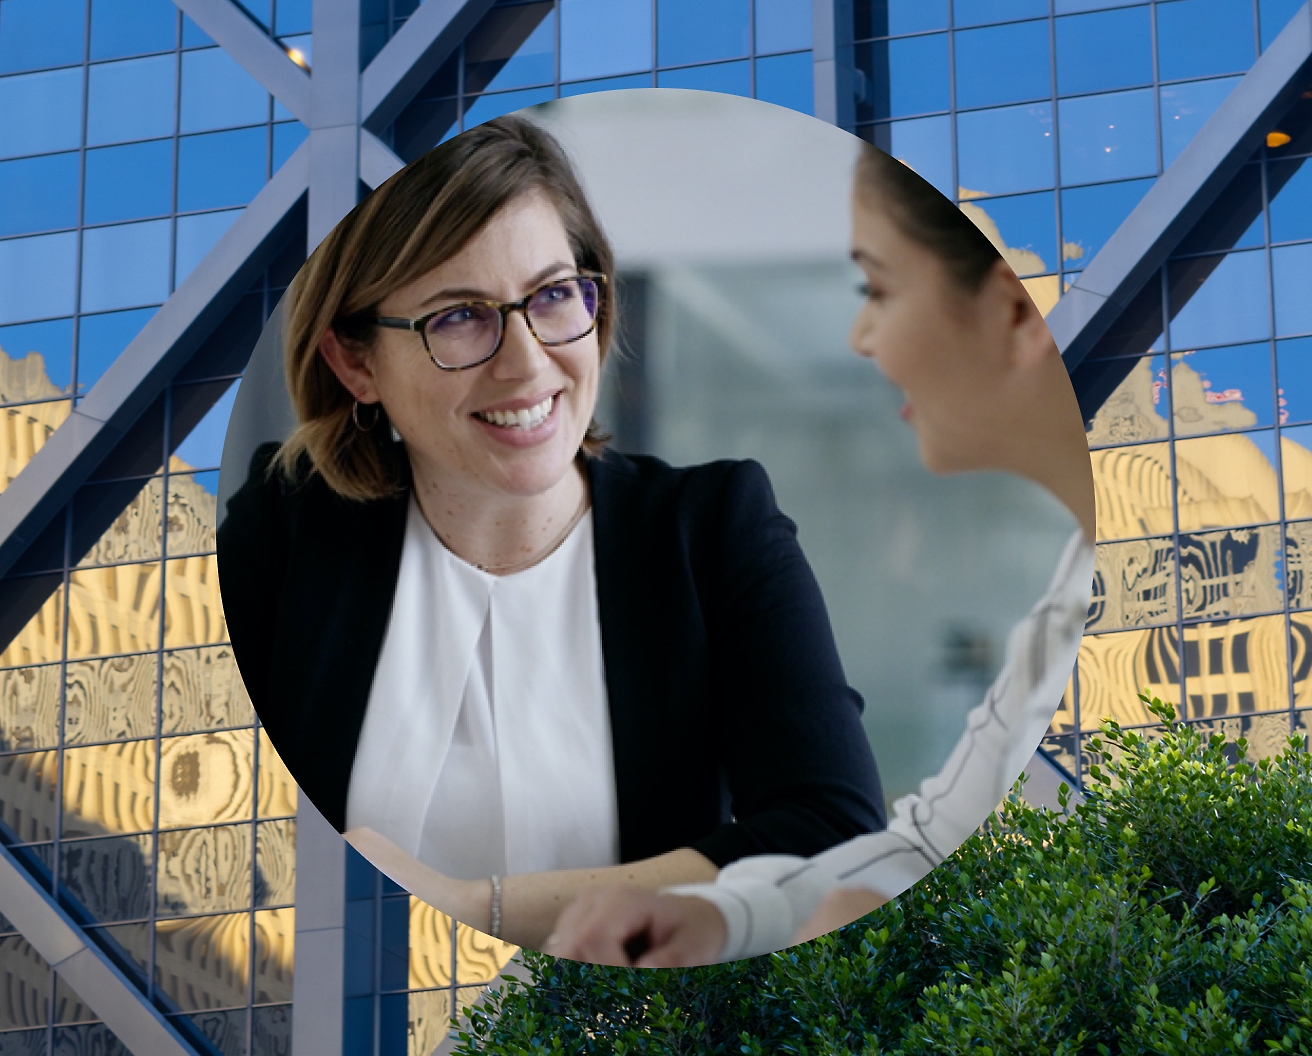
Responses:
[521,354]
[859,337]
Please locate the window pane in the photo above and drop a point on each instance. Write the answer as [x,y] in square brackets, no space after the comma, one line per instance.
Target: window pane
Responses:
[732,78]
[113,610]
[602,37]
[908,76]
[40,112]
[1294,371]
[129,182]
[109,789]
[51,374]
[1296,455]
[486,107]
[289,135]
[1109,49]
[271,1030]
[37,33]
[193,610]
[1136,410]
[1298,556]
[275,931]
[293,17]
[277,789]
[974,12]
[36,277]
[131,100]
[1186,108]
[1108,137]
[101,339]
[203,962]
[925,145]
[38,194]
[787,80]
[137,531]
[1200,37]
[694,31]
[28,976]
[197,235]
[1133,585]
[1219,300]
[1222,389]
[512,47]
[1091,215]
[1235,572]
[782,25]
[606,84]
[111,699]
[1291,272]
[881,18]
[125,265]
[109,878]
[204,870]
[1274,15]
[1023,228]
[1290,186]
[275,875]
[1003,64]
[1233,221]
[222,168]
[1132,486]
[29,708]
[1236,666]
[1062,7]
[193,36]
[41,640]
[202,444]
[132,27]
[1115,668]
[1027,163]
[205,778]
[1226,480]
[202,690]
[217,93]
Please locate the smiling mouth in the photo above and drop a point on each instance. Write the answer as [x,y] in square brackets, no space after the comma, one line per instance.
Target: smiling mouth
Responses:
[526,418]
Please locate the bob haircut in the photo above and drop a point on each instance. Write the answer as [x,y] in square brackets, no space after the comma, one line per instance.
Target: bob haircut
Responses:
[420,218]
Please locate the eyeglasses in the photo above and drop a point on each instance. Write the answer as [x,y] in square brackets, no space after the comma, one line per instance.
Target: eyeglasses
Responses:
[465,335]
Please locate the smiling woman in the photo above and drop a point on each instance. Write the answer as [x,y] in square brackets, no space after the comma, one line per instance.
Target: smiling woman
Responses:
[486,645]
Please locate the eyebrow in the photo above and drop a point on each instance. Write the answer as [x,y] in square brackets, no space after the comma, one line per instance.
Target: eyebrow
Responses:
[860,255]
[470,293]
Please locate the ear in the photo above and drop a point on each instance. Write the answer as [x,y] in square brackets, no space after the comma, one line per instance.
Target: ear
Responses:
[1029,339]
[352,366]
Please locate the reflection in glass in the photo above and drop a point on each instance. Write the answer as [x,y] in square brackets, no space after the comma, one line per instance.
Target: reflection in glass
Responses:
[730,78]
[129,182]
[37,277]
[1104,50]
[486,107]
[599,38]
[277,789]
[28,977]
[41,33]
[41,639]
[1291,203]
[288,135]
[136,532]
[101,339]
[126,265]
[1196,38]
[110,699]
[1298,564]
[1221,389]
[1296,466]
[193,509]
[1132,486]
[218,93]
[1291,277]
[225,1030]
[1108,137]
[271,1030]
[120,28]
[881,18]
[275,863]
[974,12]
[130,100]
[69,1007]
[1219,300]
[1115,668]
[109,789]
[781,25]
[1233,221]
[203,870]
[206,778]
[512,47]
[221,169]
[196,236]
[1025,165]
[38,194]
[203,690]
[1226,480]
[924,144]
[274,934]
[607,84]
[199,444]
[1273,15]
[1300,644]
[1023,228]
[906,76]
[693,31]
[203,962]
[1236,666]
[40,112]
[29,708]
[1090,215]
[36,362]
[193,610]
[28,781]
[1133,585]
[1186,108]
[1002,64]
[113,610]
[1230,573]
[787,80]
[109,878]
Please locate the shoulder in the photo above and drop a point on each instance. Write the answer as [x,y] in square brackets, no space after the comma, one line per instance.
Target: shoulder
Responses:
[697,486]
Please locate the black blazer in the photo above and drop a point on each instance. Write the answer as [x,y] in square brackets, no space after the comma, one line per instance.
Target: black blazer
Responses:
[734,730]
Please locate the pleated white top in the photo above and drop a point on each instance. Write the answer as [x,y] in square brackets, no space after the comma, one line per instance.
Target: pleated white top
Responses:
[486,744]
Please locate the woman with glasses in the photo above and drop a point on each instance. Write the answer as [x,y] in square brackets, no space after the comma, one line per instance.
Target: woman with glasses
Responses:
[485,645]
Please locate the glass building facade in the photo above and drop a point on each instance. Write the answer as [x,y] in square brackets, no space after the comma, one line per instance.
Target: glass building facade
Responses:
[136,787]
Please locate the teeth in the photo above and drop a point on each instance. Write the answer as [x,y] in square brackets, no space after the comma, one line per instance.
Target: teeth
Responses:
[522,419]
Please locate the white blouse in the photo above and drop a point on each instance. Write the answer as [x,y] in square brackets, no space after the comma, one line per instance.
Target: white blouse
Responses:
[486,743]
[765,899]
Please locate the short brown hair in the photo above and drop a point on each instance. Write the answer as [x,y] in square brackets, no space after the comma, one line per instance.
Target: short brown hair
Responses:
[420,218]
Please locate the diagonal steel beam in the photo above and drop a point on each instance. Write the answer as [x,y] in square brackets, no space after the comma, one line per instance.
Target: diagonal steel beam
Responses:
[256,52]
[377,161]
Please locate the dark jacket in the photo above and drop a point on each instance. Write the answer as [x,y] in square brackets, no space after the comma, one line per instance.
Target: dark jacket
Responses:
[735,732]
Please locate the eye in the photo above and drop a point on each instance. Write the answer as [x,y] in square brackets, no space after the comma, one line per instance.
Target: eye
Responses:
[459,316]
[869,292]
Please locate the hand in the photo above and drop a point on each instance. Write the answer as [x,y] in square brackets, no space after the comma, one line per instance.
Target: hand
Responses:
[839,907]
[631,927]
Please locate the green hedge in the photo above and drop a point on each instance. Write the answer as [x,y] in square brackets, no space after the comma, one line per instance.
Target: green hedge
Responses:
[1170,913]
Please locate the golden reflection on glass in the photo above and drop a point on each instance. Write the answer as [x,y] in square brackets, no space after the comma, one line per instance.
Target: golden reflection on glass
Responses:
[41,641]
[1300,660]
[193,510]
[275,863]
[1225,480]
[113,610]
[204,870]
[479,957]
[428,1013]
[1303,727]
[1132,487]
[271,1031]
[204,962]
[27,794]
[203,690]
[136,532]
[1298,564]
[1296,467]
[277,789]
[1235,666]
[1231,573]
[275,937]
[1115,668]
[1044,290]
[1201,409]
[1133,585]
[1136,409]
[1064,718]
[225,1030]
[131,942]
[29,708]
[109,877]
[24,430]
[68,1006]
[109,789]
[27,985]
[206,778]
[110,699]
[193,610]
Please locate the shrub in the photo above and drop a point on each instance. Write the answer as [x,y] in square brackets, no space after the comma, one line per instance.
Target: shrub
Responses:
[1170,913]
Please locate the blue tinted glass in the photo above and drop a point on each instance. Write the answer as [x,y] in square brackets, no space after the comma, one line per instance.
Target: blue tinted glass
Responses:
[925,145]
[606,84]
[1025,165]
[1185,109]
[1003,64]
[882,18]
[1091,215]
[130,182]
[787,80]
[262,11]
[1199,37]
[303,43]
[602,37]
[782,25]
[511,48]
[976,12]
[907,76]
[222,168]
[286,138]
[1236,379]
[697,31]
[131,100]
[1026,225]
[37,277]
[204,444]
[1291,273]
[732,78]
[1293,372]
[193,36]
[1289,184]
[39,33]
[197,235]
[1273,16]
[38,194]
[52,341]
[486,107]
[120,28]
[217,93]
[40,112]
[1108,137]
[293,16]
[1063,7]
[1229,307]
[125,266]
[1109,49]
[102,339]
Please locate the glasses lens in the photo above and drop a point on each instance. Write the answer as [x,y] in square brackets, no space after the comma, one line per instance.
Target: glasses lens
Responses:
[464,335]
[563,311]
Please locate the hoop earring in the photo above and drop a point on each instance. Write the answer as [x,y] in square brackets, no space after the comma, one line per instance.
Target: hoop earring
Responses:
[355,416]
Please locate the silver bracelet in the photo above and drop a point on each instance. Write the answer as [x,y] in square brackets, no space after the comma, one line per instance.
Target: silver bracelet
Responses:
[496,907]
